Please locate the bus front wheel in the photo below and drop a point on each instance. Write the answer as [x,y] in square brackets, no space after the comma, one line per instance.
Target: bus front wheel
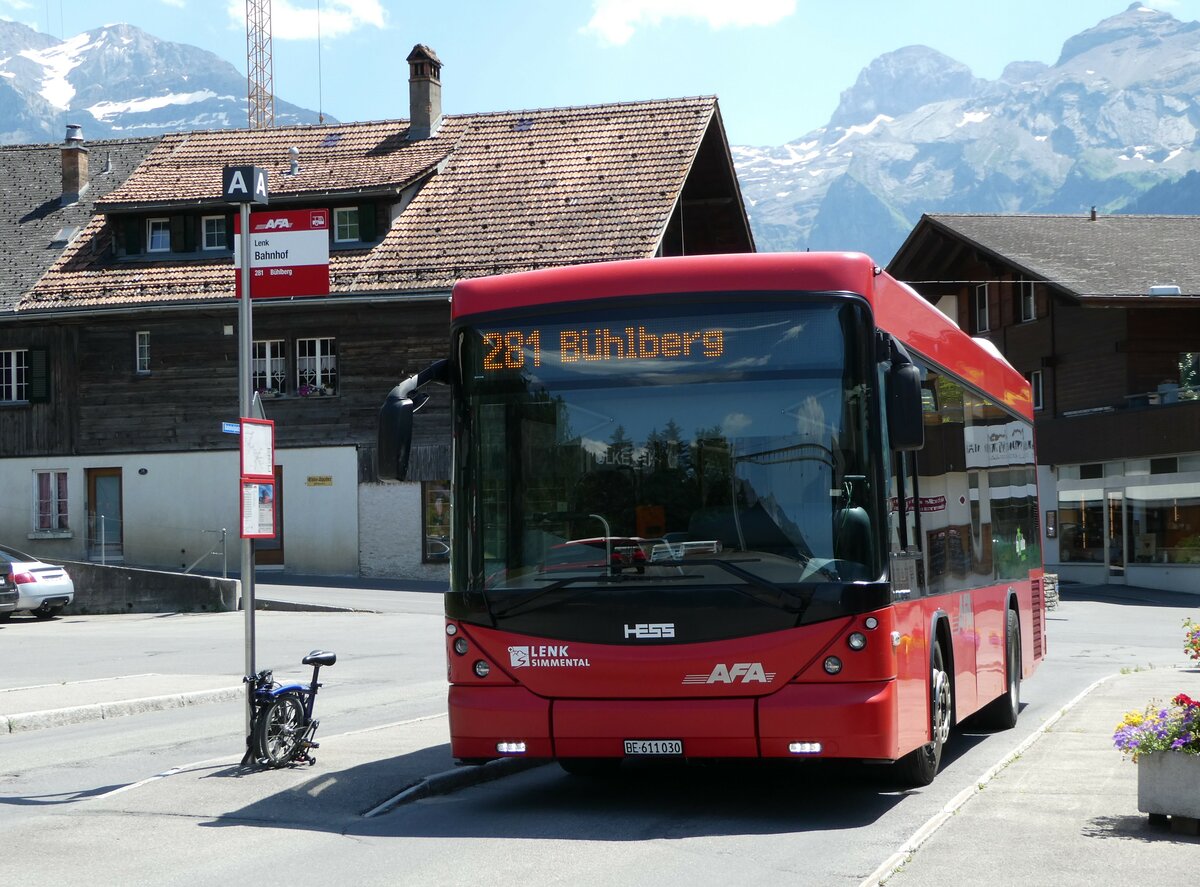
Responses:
[920,766]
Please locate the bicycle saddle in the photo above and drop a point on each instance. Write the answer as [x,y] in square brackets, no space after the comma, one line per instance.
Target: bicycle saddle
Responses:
[320,657]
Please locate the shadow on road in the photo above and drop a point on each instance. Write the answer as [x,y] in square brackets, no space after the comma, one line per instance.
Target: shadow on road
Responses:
[1128,595]
[641,800]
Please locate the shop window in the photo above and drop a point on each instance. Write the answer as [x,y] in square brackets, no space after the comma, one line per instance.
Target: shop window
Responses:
[435,521]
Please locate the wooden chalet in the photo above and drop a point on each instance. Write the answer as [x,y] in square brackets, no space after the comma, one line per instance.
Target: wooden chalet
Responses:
[1102,314]
[128,334]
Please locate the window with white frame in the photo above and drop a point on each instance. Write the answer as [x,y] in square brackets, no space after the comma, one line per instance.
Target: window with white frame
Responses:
[981,308]
[214,232]
[142,351]
[14,375]
[316,366]
[1028,307]
[345,224]
[158,235]
[1035,388]
[50,502]
[268,367]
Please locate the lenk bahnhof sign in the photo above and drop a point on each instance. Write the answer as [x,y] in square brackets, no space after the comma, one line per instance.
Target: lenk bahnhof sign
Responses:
[289,253]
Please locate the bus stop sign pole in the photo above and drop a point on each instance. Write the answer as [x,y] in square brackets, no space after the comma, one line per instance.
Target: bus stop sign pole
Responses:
[245,185]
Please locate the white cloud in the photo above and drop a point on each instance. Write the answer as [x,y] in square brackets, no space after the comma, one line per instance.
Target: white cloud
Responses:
[291,21]
[615,21]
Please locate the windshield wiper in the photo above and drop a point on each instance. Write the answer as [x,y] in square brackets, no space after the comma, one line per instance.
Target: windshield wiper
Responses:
[559,584]
[779,595]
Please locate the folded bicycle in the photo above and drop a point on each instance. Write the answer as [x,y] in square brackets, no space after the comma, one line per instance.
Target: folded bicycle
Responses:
[281,717]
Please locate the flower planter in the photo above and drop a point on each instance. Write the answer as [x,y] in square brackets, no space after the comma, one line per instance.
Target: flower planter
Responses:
[1169,784]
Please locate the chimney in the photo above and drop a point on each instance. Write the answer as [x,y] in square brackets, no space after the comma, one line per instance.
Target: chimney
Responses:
[74,165]
[424,92]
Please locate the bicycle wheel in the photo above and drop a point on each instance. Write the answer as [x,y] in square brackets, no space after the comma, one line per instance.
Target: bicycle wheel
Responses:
[278,730]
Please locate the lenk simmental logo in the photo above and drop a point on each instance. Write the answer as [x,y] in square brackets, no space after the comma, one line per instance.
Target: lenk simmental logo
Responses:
[545,656]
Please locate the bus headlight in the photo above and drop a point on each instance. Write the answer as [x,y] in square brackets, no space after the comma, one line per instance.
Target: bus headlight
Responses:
[481,668]
[832,665]
[857,640]
[460,646]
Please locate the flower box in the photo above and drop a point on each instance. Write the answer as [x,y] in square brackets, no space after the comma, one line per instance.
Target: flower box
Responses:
[1169,784]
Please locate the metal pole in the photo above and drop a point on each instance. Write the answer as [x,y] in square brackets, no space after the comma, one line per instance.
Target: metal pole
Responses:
[245,356]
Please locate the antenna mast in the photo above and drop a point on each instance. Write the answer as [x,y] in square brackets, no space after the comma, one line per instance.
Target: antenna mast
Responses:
[260,67]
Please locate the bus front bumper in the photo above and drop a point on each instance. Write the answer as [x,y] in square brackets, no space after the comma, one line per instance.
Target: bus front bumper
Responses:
[833,720]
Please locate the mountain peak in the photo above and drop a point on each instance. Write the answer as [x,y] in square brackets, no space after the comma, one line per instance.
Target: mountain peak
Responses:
[902,81]
[1136,21]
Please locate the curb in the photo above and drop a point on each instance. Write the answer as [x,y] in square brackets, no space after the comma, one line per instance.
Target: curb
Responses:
[896,861]
[451,780]
[101,711]
[297,607]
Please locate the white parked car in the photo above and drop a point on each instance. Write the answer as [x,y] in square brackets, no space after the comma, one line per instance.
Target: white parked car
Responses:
[42,589]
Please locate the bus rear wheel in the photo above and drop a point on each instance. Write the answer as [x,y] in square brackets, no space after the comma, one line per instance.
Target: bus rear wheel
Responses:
[920,766]
[1001,713]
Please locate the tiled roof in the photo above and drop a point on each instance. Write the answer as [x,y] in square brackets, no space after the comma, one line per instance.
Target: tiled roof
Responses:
[345,159]
[1111,256]
[31,214]
[505,192]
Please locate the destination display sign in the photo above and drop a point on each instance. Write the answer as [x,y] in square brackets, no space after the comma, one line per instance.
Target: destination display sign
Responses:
[740,338]
[514,349]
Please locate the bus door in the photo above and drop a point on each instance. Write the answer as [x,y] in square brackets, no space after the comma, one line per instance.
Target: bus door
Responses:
[909,597]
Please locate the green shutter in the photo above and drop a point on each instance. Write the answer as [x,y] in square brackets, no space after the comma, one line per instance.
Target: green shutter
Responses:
[366,222]
[39,375]
[133,235]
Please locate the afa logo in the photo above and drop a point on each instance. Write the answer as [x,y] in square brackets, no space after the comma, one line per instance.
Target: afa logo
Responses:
[274,225]
[738,672]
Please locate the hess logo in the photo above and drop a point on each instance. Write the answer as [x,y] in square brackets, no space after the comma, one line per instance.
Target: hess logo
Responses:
[738,672]
[644,630]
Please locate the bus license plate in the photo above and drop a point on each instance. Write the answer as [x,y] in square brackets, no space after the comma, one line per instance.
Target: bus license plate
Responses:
[653,747]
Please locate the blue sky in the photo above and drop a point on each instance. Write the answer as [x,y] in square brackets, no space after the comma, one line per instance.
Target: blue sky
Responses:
[778,66]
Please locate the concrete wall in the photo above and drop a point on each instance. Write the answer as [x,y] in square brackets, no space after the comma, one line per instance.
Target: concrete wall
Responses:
[101,589]
[175,504]
[389,533]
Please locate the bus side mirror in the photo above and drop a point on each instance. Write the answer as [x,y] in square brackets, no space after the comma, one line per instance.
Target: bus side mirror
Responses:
[395,428]
[906,424]
[395,434]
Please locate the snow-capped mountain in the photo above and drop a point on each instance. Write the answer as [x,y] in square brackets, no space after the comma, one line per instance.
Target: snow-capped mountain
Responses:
[1117,114]
[117,81]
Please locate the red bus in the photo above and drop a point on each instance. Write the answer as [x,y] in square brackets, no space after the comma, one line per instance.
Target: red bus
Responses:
[742,506]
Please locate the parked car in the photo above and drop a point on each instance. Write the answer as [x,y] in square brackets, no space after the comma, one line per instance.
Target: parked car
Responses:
[42,589]
[8,592]
[626,552]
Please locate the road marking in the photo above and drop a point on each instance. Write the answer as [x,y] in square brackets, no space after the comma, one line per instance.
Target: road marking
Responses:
[195,765]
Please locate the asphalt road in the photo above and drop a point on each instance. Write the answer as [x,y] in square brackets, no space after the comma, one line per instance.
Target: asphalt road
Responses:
[735,823]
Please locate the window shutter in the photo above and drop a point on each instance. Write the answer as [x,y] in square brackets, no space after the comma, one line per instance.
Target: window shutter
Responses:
[189,233]
[366,222]
[133,235]
[178,234]
[229,231]
[39,375]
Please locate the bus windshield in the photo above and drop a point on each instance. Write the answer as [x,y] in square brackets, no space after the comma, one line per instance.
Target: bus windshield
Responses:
[682,454]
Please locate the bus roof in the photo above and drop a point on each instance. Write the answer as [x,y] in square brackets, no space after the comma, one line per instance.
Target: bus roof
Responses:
[898,308]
